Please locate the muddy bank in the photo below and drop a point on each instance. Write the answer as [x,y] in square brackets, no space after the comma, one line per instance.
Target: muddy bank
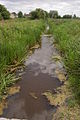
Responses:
[39,76]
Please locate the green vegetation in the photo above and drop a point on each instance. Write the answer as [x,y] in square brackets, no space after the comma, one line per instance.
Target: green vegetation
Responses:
[4,13]
[20,15]
[67,16]
[39,14]
[67,36]
[53,14]
[16,37]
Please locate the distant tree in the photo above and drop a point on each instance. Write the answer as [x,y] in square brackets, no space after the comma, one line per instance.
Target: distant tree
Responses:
[74,16]
[4,12]
[34,15]
[20,15]
[67,16]
[53,14]
[39,14]
[59,17]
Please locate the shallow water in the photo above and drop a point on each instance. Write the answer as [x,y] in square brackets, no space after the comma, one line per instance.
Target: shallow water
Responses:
[39,76]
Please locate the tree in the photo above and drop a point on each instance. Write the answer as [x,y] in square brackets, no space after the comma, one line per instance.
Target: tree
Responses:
[38,14]
[74,16]
[59,17]
[67,16]
[4,12]
[33,15]
[41,13]
[53,14]
[20,15]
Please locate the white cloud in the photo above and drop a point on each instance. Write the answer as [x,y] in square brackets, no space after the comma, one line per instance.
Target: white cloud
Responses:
[63,6]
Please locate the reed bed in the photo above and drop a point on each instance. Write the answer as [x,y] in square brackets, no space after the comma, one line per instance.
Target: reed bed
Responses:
[16,38]
[67,37]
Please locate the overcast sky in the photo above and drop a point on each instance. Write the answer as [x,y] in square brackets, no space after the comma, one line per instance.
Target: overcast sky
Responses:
[63,6]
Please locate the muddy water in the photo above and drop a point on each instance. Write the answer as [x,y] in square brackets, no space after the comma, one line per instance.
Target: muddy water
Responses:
[39,76]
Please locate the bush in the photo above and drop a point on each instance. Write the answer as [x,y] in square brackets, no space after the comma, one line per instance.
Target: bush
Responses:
[20,15]
[4,12]
[53,14]
[39,14]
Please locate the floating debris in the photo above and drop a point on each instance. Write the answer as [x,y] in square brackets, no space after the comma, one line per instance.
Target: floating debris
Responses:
[33,95]
[56,58]
[60,75]
[14,90]
[30,52]
[49,96]
[57,99]
[35,47]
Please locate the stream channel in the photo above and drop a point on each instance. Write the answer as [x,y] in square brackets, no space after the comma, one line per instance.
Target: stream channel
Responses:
[38,77]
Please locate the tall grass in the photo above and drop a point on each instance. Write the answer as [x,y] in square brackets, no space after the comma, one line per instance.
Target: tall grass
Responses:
[67,36]
[16,37]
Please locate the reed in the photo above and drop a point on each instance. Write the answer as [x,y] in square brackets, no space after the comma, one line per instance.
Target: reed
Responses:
[16,38]
[67,37]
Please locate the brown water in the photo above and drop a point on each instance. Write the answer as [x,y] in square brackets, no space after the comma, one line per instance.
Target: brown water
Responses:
[39,76]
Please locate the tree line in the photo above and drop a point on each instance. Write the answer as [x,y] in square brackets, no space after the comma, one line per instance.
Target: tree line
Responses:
[36,14]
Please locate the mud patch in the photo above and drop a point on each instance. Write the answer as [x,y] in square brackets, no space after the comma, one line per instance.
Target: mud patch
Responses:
[68,108]
[61,75]
[50,97]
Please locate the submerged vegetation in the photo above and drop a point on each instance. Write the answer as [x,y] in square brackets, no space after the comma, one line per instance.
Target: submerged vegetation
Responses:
[67,37]
[16,37]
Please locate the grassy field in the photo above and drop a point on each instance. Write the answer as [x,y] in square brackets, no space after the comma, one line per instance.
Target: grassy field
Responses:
[16,37]
[67,37]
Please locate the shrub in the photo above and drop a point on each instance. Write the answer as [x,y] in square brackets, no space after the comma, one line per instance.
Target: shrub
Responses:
[4,12]
[20,15]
